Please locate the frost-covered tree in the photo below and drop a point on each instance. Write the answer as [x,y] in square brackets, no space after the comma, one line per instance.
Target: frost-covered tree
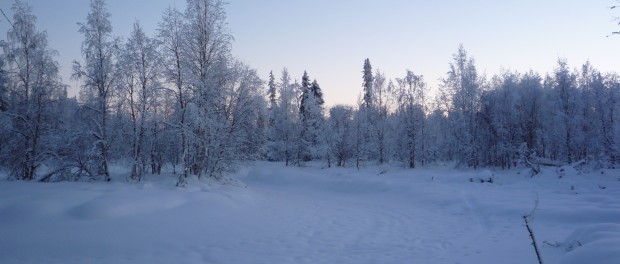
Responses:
[367,84]
[139,74]
[366,120]
[593,110]
[284,130]
[531,106]
[171,36]
[98,75]
[4,85]
[410,119]
[501,116]
[437,128]
[611,137]
[271,92]
[567,122]
[310,143]
[207,56]
[273,151]
[612,109]
[462,88]
[30,88]
[340,125]
[382,100]
[243,135]
[318,94]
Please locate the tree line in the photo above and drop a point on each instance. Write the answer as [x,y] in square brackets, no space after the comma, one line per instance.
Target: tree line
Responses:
[511,119]
[180,99]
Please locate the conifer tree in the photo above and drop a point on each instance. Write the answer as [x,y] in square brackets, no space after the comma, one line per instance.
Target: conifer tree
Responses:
[310,144]
[367,85]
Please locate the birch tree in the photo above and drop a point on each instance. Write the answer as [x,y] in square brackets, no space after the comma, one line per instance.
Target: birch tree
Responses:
[140,70]
[171,35]
[97,73]
[462,88]
[30,86]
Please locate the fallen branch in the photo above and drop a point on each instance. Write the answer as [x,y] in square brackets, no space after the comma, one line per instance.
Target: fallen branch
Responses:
[577,163]
[535,167]
[546,162]
[529,230]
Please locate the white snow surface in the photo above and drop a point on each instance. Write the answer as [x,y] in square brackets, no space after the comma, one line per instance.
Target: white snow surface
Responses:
[269,213]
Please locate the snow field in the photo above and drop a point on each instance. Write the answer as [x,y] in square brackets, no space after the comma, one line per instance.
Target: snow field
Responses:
[274,214]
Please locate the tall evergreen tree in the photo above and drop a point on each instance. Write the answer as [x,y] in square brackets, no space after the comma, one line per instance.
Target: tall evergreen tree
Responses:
[273,147]
[272,91]
[318,94]
[310,145]
[367,85]
[305,94]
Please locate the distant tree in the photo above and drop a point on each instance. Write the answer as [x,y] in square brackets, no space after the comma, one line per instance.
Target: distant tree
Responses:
[340,125]
[531,106]
[439,136]
[284,131]
[591,86]
[501,119]
[564,85]
[367,84]
[381,111]
[366,121]
[410,115]
[271,92]
[305,94]
[462,88]
[360,133]
[311,141]
[244,135]
[274,151]
[611,137]
[318,93]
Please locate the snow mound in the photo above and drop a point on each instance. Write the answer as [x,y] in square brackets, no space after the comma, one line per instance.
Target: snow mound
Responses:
[598,243]
[125,204]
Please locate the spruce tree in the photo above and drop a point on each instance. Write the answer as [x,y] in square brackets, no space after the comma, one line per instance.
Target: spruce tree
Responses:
[318,94]
[310,142]
[367,84]
[272,91]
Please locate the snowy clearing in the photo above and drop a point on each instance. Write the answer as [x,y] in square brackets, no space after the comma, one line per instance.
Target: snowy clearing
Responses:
[275,214]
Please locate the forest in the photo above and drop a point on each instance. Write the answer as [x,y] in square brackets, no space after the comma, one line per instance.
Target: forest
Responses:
[180,99]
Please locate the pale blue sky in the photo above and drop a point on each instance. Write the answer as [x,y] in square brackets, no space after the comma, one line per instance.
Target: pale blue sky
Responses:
[331,39]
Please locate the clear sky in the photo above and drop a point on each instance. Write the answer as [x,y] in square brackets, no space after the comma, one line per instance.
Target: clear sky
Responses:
[330,39]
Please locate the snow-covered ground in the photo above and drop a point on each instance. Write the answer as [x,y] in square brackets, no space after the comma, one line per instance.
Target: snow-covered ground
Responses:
[274,214]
